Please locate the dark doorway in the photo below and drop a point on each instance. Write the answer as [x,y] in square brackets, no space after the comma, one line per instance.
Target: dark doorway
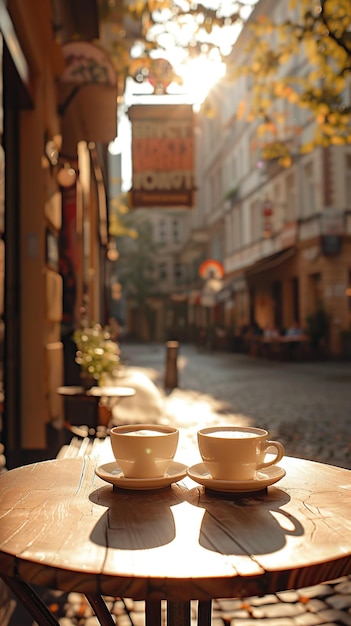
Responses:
[277,303]
[296,300]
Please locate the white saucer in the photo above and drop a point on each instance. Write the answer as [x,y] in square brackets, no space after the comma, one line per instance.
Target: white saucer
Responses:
[263,478]
[112,473]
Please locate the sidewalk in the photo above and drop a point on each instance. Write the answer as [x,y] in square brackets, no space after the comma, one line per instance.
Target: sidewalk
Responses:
[307,406]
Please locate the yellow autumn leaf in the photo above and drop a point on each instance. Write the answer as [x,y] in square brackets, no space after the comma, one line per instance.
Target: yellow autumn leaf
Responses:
[132,233]
[285,161]
[293,96]
[323,109]
[328,129]
[336,140]
[307,148]
[261,130]
[339,84]
[333,118]
[310,47]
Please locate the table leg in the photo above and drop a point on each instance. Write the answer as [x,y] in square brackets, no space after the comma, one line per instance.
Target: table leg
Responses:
[153,613]
[31,601]
[100,609]
[178,613]
[204,613]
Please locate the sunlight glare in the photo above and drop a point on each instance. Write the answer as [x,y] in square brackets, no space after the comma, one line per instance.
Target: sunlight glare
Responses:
[199,76]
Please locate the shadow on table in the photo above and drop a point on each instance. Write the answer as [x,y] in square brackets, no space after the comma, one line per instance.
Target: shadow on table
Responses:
[243,524]
[131,510]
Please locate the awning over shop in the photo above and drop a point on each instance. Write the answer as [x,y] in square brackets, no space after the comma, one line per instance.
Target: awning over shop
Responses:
[87,96]
[230,287]
[270,262]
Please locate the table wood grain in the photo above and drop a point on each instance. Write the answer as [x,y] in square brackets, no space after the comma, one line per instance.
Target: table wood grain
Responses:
[63,527]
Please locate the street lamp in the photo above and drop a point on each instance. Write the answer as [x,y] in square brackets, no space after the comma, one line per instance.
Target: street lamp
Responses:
[66,176]
[112,252]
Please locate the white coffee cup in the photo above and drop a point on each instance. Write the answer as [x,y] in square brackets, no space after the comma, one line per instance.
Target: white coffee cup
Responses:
[144,450]
[236,453]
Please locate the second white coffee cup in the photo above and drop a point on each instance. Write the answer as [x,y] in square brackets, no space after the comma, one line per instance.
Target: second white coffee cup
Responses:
[236,453]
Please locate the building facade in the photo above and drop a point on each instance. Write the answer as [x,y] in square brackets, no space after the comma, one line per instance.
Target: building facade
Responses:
[53,208]
[282,234]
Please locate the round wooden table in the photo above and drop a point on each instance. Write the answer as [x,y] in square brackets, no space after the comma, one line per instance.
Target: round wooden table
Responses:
[64,528]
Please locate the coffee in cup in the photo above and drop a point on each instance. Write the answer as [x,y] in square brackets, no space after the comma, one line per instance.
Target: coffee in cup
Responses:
[236,453]
[144,450]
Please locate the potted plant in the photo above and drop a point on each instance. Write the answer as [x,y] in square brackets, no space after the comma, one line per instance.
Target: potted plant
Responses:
[97,354]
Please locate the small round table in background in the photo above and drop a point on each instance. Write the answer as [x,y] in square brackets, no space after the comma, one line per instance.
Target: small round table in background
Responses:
[104,400]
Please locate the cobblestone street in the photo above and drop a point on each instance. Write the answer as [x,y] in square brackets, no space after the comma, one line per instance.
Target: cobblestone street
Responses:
[304,405]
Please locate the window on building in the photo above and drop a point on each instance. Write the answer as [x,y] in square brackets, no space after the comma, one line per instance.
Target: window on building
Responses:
[178,273]
[212,181]
[309,204]
[217,246]
[228,233]
[176,231]
[217,187]
[290,198]
[256,220]
[237,228]
[208,195]
[278,207]
[162,271]
[234,170]
[162,231]
[348,181]
[254,154]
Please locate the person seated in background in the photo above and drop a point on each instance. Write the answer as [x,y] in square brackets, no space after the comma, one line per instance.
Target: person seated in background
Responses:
[270,332]
[294,330]
[256,329]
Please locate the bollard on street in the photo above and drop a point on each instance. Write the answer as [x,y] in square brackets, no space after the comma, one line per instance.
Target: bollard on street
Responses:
[171,375]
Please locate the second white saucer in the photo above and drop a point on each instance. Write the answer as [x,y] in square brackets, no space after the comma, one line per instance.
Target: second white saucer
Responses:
[113,474]
[263,478]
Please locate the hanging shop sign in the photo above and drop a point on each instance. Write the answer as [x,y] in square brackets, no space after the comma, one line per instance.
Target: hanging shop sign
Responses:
[87,95]
[210,290]
[211,269]
[267,214]
[162,155]
[160,75]
[212,272]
